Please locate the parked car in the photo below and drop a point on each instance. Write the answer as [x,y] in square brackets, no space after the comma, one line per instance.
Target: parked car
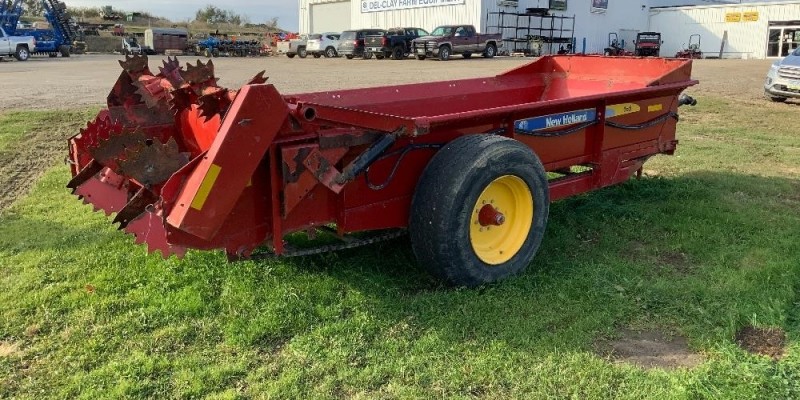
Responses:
[351,43]
[293,47]
[20,47]
[783,78]
[394,43]
[447,40]
[323,44]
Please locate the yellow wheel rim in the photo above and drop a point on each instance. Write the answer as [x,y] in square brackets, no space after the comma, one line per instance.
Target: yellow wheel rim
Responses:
[501,220]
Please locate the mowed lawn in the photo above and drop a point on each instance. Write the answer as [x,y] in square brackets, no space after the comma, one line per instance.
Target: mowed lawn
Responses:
[708,242]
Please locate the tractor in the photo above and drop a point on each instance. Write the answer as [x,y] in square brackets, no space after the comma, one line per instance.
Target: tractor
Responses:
[693,50]
[615,47]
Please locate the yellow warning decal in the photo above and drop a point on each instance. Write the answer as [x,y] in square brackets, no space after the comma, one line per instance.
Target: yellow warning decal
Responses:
[655,107]
[205,187]
[616,110]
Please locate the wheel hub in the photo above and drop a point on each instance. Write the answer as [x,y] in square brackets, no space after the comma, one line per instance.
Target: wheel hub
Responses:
[501,220]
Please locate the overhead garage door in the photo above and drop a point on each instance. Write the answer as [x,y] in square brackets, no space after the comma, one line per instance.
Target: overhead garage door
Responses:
[330,17]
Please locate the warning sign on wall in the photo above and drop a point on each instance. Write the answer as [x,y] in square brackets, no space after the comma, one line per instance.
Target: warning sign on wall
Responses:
[750,16]
[733,17]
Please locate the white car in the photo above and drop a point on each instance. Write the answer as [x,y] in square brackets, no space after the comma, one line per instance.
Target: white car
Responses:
[783,78]
[323,44]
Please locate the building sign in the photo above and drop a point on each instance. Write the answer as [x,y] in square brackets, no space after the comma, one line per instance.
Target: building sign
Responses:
[733,17]
[388,5]
[558,5]
[599,6]
[750,16]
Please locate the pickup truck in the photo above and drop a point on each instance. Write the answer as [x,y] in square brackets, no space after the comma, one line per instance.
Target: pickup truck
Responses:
[447,40]
[293,47]
[394,43]
[20,47]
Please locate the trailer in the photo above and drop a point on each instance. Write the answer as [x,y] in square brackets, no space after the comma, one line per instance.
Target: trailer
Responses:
[467,167]
[162,40]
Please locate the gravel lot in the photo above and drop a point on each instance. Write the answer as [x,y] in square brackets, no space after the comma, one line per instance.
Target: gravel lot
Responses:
[53,83]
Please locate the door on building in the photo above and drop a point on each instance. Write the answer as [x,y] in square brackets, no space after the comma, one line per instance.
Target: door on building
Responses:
[627,36]
[329,17]
[782,40]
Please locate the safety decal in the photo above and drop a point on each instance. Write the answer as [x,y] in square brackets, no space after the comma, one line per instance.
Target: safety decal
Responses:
[617,110]
[205,187]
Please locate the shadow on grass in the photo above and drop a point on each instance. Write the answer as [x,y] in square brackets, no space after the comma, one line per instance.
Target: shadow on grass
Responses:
[701,254]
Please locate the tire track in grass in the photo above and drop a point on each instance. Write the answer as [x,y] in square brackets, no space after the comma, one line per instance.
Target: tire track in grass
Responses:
[23,163]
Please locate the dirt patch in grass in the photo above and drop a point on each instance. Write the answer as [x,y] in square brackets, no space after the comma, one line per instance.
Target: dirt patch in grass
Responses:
[674,260]
[649,349]
[20,170]
[768,342]
[8,349]
[662,261]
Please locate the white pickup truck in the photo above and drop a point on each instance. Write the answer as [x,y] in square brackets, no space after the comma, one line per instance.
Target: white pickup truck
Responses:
[20,47]
[293,47]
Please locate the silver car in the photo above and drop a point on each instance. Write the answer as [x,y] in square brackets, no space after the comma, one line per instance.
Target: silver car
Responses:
[783,78]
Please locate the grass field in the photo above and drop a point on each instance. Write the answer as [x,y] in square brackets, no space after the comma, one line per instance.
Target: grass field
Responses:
[704,245]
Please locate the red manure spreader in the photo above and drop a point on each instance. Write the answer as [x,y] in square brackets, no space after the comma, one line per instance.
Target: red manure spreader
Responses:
[467,167]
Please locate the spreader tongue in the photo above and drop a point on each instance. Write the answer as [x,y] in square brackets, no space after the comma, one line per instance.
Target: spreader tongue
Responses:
[155,125]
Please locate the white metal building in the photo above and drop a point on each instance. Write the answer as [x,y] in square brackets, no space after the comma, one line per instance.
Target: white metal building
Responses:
[754,30]
[594,19]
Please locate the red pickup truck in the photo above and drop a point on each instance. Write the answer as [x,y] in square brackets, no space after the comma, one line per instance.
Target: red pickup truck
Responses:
[447,40]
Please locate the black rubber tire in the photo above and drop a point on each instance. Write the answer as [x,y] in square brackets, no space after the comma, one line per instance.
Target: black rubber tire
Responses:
[450,185]
[207,53]
[330,52]
[290,55]
[398,53]
[349,57]
[444,53]
[367,55]
[301,52]
[490,51]
[467,55]
[64,50]
[22,53]
[420,57]
[776,99]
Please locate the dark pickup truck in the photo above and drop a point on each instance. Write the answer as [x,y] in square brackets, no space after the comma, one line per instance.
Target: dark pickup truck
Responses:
[447,40]
[394,43]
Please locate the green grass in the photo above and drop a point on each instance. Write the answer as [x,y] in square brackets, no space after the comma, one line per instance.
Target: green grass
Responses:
[707,246]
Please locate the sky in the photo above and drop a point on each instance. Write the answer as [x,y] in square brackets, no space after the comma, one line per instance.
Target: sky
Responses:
[258,11]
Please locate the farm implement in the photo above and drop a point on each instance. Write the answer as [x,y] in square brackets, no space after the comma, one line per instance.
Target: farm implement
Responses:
[467,167]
